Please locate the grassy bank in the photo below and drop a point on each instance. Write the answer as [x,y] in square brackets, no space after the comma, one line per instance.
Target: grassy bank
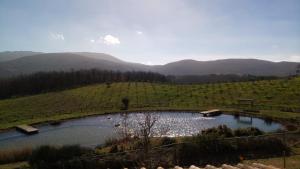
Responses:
[18,165]
[273,98]
[214,146]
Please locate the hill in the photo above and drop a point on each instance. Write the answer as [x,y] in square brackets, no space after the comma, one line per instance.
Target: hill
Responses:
[101,56]
[16,63]
[273,98]
[12,55]
[229,66]
[62,62]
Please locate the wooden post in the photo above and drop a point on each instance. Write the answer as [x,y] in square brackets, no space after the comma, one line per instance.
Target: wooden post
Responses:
[175,155]
[284,158]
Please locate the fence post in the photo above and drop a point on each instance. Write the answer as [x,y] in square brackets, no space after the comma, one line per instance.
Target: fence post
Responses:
[284,162]
[175,155]
[284,159]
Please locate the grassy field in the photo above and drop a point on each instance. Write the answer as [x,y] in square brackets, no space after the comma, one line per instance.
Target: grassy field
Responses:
[274,98]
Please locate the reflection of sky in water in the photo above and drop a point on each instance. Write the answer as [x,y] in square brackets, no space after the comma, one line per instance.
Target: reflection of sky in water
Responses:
[91,131]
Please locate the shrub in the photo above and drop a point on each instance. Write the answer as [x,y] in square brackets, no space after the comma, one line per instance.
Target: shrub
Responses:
[291,127]
[168,140]
[117,162]
[249,131]
[220,131]
[206,148]
[111,141]
[47,157]
[114,149]
[271,146]
[209,144]
[187,154]
[125,102]
[224,131]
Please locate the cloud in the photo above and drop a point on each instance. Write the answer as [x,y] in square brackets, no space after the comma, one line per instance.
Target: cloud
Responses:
[107,39]
[111,40]
[57,36]
[139,32]
[148,63]
[294,58]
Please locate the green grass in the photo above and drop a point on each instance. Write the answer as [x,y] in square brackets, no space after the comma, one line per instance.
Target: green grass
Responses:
[276,98]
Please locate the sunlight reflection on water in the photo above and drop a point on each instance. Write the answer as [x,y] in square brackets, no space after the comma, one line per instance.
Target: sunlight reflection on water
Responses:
[94,130]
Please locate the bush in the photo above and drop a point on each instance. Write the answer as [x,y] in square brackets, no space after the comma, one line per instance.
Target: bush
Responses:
[223,131]
[125,102]
[206,148]
[271,146]
[114,149]
[47,157]
[168,140]
[220,131]
[250,131]
[111,141]
[74,157]
[209,144]
[291,127]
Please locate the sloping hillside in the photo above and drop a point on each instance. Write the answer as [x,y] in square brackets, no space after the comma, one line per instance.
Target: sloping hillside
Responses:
[275,98]
[228,66]
[20,64]
[60,61]
[12,55]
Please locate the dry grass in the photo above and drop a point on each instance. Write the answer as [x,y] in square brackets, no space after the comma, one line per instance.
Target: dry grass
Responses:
[18,165]
[11,156]
[292,162]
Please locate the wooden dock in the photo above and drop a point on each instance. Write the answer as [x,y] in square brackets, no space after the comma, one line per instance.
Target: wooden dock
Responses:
[27,129]
[209,113]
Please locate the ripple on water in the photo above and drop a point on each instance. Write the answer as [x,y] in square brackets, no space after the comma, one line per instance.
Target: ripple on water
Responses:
[94,130]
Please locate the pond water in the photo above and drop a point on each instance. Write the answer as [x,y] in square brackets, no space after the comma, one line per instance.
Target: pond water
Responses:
[94,130]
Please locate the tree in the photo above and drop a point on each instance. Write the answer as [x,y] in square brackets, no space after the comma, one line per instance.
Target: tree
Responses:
[125,102]
[298,70]
[146,130]
[59,80]
[108,84]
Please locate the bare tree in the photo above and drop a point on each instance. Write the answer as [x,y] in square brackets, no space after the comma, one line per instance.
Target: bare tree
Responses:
[125,126]
[145,131]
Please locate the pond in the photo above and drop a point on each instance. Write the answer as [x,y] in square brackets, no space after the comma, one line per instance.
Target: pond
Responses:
[94,130]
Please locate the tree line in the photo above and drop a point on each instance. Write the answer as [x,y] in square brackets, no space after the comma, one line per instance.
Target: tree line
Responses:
[218,78]
[58,80]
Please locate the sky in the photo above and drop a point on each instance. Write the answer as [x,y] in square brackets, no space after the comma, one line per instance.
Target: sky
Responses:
[155,31]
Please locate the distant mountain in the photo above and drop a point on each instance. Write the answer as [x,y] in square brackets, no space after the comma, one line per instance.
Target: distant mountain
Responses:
[86,60]
[61,61]
[101,56]
[229,66]
[11,55]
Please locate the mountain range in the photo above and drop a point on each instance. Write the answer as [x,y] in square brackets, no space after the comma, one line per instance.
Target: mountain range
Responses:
[26,62]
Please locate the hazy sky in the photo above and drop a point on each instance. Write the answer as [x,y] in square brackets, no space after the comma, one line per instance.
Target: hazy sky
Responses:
[155,31]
